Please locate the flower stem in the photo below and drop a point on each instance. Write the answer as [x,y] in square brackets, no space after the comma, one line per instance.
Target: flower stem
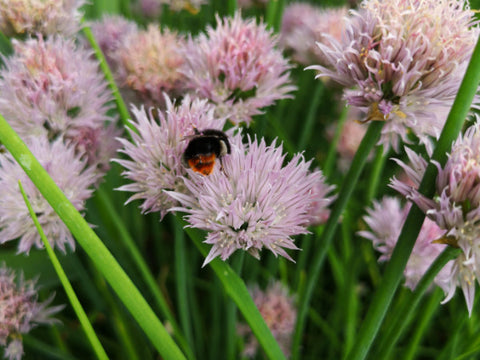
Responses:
[184,291]
[332,149]
[378,165]
[93,246]
[369,140]
[104,202]
[274,13]
[72,297]
[422,322]
[310,119]
[236,289]
[232,7]
[405,313]
[394,270]
[231,312]
[122,108]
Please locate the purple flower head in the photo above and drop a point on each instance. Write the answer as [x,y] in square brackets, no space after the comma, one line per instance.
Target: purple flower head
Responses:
[237,67]
[110,32]
[303,25]
[279,312]
[148,63]
[52,88]
[385,221]
[20,311]
[156,151]
[253,202]
[68,171]
[402,61]
[455,206]
[43,17]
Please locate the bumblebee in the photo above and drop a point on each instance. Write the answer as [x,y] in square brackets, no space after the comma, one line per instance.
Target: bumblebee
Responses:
[204,148]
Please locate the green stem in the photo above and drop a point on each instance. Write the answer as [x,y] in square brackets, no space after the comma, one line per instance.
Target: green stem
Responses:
[89,241]
[47,351]
[274,13]
[236,289]
[118,318]
[332,150]
[104,202]
[378,165]
[421,324]
[394,270]
[122,108]
[369,140]
[231,310]
[232,7]
[404,315]
[184,292]
[72,297]
[310,119]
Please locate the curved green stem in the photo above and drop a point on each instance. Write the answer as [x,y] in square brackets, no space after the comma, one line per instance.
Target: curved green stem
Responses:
[394,270]
[368,142]
[93,246]
[405,313]
[104,202]
[122,108]
[72,297]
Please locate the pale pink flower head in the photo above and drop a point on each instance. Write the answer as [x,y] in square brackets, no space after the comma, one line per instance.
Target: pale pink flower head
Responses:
[402,61]
[303,25]
[254,202]
[155,152]
[148,63]
[110,33]
[51,17]
[278,310]
[69,172]
[53,88]
[237,67]
[385,221]
[20,311]
[455,207]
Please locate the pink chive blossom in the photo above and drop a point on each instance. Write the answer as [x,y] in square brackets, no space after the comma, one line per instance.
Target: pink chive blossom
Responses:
[385,221]
[455,207]
[69,172]
[280,314]
[20,311]
[156,151]
[402,61]
[303,25]
[38,16]
[237,67]
[253,202]
[148,64]
[52,88]
[110,33]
